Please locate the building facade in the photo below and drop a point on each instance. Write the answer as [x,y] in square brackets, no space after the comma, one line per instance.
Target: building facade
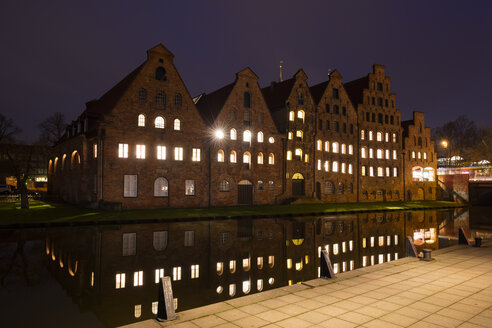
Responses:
[147,144]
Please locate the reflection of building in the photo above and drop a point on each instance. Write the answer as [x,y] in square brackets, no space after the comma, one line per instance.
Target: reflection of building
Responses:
[114,270]
[420,159]
[146,143]
[23,158]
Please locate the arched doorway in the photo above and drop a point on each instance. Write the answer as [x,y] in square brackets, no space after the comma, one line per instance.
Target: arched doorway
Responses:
[245,192]
[297,184]
[420,194]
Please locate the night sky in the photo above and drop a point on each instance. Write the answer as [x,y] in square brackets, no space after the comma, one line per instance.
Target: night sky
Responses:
[57,55]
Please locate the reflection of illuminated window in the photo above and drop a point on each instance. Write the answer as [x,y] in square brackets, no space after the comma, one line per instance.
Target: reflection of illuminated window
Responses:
[351,265]
[380,258]
[271,261]
[388,257]
[364,261]
[220,268]
[344,266]
[246,264]
[381,241]
[388,240]
[138,278]
[335,249]
[396,256]
[335,268]
[289,263]
[344,247]
[232,266]
[372,259]
[259,262]
[395,240]
[298,266]
[259,285]
[364,243]
[246,286]
[232,290]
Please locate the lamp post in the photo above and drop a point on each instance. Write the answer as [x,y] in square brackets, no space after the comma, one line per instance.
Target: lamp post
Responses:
[217,134]
[444,144]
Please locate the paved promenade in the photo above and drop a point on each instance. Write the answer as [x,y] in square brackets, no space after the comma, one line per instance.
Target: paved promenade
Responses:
[454,290]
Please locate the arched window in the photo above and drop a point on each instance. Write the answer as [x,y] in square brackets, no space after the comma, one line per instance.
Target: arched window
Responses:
[351,150]
[301,115]
[161,187]
[290,135]
[350,169]
[220,156]
[247,136]
[271,159]
[178,100]
[260,158]
[379,153]
[334,166]
[334,147]
[329,188]
[319,145]
[420,141]
[142,94]
[298,154]
[429,174]
[160,73]
[260,136]
[233,157]
[341,188]
[159,122]
[299,135]
[362,134]
[224,186]
[141,120]
[327,146]
[350,188]
[289,155]
[247,157]
[160,98]
[247,100]
[327,166]
[379,136]
[300,99]
[233,134]
[370,135]
[291,115]
[344,149]
[177,124]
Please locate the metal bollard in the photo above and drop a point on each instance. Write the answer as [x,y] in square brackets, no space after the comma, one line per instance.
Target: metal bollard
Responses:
[427,255]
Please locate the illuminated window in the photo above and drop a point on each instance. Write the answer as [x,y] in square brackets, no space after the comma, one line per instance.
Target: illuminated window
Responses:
[178,153]
[220,156]
[300,115]
[335,268]
[161,152]
[299,266]
[290,135]
[319,145]
[299,135]
[123,150]
[159,122]
[232,290]
[425,155]
[388,257]
[371,171]
[396,256]
[379,136]
[190,187]
[289,263]
[161,187]
[334,147]
[138,310]
[260,137]
[388,172]
[334,166]
[362,135]
[381,241]
[387,154]
[370,135]
[298,153]
[327,166]
[372,259]
[318,165]
[176,273]
[232,266]
[141,120]
[343,168]
[350,170]
[363,152]
[344,149]
[260,158]
[259,285]
[351,265]
[138,278]
[344,266]
[195,271]
[327,146]
[233,134]
[363,170]
[419,155]
[120,280]
[177,124]
[351,150]
[371,153]
[246,286]
[388,240]
[386,137]
[159,273]
[175,303]
[271,140]
[220,268]
[94,150]
[141,151]
[372,241]
[291,116]
[247,136]
[380,172]
[395,171]
[379,153]
[271,261]
[394,154]
[92,279]
[289,155]
[306,158]
[196,155]
[364,242]
[271,159]
[344,247]
[246,158]
[233,157]
[351,245]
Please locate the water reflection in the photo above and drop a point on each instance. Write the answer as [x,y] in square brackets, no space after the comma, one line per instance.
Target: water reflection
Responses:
[113,271]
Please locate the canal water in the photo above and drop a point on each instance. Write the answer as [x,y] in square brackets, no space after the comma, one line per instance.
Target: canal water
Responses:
[106,276]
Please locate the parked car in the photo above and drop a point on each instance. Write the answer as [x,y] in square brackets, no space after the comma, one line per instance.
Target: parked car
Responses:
[5,189]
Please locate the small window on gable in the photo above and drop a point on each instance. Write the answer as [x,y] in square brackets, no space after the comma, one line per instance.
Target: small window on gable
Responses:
[160,73]
[247,100]
[300,99]
[142,95]
[233,134]
[178,100]
[141,120]
[177,124]
[160,98]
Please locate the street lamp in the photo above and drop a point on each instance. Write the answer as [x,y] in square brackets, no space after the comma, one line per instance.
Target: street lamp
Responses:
[444,144]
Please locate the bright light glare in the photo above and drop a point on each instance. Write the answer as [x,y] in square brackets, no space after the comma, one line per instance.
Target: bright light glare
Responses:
[219,134]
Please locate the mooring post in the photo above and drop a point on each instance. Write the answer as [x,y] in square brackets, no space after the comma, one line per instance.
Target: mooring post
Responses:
[325,266]
[165,307]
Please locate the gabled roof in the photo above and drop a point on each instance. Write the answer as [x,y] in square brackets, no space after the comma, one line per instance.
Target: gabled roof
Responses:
[318,90]
[107,102]
[355,90]
[210,105]
[277,93]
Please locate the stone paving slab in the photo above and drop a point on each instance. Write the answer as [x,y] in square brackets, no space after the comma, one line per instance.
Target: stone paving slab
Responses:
[453,290]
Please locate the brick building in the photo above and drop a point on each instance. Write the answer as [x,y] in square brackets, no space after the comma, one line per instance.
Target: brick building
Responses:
[147,144]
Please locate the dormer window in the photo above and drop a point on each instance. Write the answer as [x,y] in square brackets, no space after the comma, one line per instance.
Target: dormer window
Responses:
[160,73]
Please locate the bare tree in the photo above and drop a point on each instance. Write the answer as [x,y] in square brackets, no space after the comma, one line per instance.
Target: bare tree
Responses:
[7,129]
[52,128]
